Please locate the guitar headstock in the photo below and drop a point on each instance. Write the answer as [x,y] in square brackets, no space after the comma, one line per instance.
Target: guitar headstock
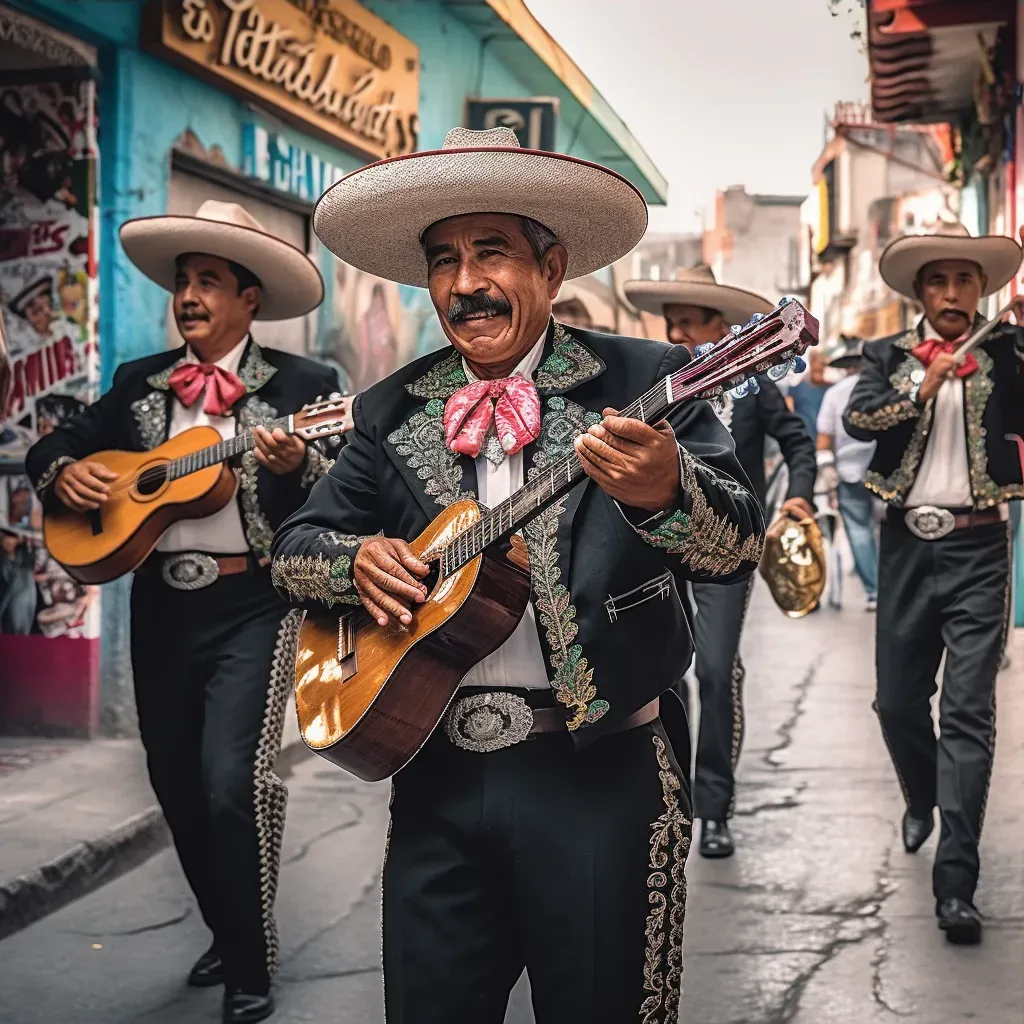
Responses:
[326,418]
[773,341]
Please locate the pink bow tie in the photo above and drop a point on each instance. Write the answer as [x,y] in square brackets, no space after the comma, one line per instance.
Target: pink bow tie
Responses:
[223,389]
[927,351]
[512,403]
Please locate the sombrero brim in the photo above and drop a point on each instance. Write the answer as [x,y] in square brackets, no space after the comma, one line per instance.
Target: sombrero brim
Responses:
[736,305]
[374,217]
[998,256]
[291,284]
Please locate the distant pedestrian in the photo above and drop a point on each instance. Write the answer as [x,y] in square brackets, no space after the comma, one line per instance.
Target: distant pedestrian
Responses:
[849,459]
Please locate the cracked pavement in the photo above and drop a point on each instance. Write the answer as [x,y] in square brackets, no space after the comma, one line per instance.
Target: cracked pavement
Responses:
[820,918]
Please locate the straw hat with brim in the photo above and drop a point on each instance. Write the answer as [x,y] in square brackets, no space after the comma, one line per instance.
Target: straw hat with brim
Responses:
[290,284]
[998,256]
[374,218]
[696,287]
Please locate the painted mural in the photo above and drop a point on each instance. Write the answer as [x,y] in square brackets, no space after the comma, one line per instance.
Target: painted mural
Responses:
[48,302]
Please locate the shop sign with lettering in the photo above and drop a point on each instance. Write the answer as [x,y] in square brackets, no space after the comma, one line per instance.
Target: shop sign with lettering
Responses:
[329,66]
[272,159]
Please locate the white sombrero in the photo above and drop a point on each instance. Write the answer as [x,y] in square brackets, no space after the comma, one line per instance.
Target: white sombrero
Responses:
[998,256]
[696,287]
[291,284]
[375,217]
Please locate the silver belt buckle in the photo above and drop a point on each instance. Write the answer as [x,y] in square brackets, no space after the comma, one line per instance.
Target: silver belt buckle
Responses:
[929,522]
[189,571]
[489,721]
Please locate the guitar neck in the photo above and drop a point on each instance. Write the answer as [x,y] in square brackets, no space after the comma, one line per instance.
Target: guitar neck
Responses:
[547,486]
[221,451]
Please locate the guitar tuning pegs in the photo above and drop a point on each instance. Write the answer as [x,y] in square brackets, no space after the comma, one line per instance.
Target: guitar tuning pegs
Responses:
[799,365]
[736,329]
[699,350]
[319,398]
[754,318]
[335,395]
[334,441]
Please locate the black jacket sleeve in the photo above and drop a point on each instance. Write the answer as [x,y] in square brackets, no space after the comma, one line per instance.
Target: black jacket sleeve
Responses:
[99,427]
[314,550]
[715,533]
[797,446]
[280,496]
[875,406]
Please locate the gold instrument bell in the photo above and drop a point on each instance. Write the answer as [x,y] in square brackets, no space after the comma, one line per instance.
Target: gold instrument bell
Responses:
[793,564]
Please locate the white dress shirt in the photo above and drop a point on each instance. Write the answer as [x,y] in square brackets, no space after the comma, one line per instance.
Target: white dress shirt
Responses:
[519,661]
[943,478]
[222,532]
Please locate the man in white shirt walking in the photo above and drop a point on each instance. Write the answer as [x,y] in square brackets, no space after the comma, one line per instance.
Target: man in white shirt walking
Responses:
[946,462]
[206,623]
[846,461]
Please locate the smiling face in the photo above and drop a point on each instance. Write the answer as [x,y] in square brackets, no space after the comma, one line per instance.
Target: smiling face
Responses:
[212,313]
[950,291]
[492,292]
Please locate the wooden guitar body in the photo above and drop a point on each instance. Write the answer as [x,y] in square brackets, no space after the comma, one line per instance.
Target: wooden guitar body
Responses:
[119,536]
[368,698]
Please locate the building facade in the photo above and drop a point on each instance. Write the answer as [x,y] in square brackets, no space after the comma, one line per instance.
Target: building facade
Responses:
[110,111]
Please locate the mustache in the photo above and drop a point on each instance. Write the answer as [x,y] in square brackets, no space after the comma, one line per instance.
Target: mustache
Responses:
[953,311]
[468,305]
[190,315]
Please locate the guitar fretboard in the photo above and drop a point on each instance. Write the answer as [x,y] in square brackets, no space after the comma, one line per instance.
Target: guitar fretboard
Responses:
[219,452]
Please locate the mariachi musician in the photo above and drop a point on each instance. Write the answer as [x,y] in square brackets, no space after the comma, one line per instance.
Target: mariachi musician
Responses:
[205,619]
[946,462]
[557,840]
[698,311]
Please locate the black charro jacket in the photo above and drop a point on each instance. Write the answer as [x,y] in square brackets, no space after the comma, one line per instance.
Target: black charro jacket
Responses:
[134,415]
[753,418]
[613,630]
[879,410]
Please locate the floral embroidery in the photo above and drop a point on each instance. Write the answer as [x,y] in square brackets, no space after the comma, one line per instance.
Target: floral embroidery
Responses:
[573,677]
[704,540]
[51,472]
[885,417]
[317,465]
[151,417]
[568,364]
[258,530]
[161,380]
[255,371]
[316,578]
[670,844]
[442,380]
[420,441]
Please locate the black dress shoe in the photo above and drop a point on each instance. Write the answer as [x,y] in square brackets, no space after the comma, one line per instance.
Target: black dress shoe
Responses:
[207,970]
[245,1007]
[715,841]
[960,921]
[916,831]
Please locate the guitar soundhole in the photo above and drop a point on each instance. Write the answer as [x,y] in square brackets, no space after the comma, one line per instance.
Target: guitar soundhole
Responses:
[151,480]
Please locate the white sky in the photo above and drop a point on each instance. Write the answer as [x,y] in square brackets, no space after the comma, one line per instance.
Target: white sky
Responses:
[718,92]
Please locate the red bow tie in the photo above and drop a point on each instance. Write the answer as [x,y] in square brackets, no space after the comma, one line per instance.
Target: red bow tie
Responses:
[512,403]
[223,389]
[928,350]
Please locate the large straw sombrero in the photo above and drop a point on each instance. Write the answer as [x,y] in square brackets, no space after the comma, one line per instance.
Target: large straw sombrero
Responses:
[291,284]
[374,218]
[696,287]
[998,256]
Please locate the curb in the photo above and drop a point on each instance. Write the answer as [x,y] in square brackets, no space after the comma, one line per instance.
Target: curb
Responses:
[91,864]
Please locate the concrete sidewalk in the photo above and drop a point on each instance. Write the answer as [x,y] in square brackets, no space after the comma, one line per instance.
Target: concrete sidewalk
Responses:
[79,818]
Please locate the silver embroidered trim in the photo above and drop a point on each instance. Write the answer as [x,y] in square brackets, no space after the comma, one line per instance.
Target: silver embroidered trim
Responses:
[258,531]
[51,472]
[488,721]
[270,794]
[317,465]
[150,415]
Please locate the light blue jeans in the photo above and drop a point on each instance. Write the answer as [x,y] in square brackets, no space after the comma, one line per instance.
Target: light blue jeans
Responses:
[857,507]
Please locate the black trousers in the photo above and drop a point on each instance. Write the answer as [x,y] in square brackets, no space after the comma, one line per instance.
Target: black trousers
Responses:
[211,702]
[718,627]
[948,595]
[567,863]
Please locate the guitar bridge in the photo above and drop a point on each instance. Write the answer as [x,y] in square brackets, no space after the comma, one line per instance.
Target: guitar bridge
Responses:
[347,658]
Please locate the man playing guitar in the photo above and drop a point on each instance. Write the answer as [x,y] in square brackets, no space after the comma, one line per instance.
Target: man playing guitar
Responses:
[205,619]
[558,845]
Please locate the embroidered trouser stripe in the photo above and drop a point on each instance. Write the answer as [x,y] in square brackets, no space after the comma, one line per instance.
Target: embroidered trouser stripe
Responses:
[568,863]
[946,596]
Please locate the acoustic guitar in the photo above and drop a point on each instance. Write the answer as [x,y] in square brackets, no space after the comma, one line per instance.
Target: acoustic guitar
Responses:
[368,697]
[184,478]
